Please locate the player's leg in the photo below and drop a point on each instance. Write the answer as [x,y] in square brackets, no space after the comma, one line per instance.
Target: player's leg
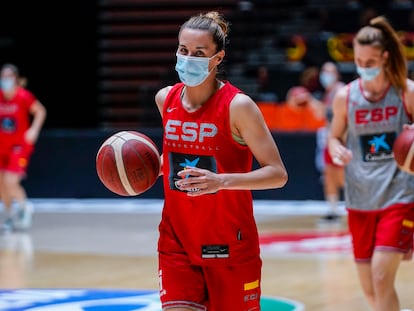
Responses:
[362,227]
[181,284]
[384,270]
[331,191]
[333,177]
[7,215]
[14,191]
[394,239]
[22,218]
[365,280]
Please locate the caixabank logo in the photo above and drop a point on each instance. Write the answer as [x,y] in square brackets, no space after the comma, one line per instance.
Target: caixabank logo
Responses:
[104,300]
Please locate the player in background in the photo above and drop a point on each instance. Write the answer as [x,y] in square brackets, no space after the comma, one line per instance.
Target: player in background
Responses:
[370,112]
[332,174]
[21,119]
[209,257]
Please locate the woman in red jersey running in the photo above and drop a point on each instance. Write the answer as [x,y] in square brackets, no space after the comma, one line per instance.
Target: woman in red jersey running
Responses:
[21,120]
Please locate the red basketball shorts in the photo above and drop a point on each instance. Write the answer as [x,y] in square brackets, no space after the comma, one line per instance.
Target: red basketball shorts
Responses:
[212,288]
[15,158]
[390,229]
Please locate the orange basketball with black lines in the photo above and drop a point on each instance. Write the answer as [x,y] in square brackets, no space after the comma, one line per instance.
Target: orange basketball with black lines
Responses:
[403,150]
[128,163]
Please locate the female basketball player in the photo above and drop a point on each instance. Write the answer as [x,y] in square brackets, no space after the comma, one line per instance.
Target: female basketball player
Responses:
[333,175]
[209,256]
[368,114]
[21,119]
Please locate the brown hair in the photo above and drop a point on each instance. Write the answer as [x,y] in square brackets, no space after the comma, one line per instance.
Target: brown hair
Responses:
[22,81]
[380,34]
[13,68]
[214,23]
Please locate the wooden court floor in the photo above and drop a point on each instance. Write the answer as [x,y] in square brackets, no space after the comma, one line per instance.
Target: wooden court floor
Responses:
[112,244]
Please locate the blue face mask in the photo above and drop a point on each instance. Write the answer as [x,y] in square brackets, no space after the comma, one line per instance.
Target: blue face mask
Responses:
[327,79]
[368,74]
[192,71]
[7,84]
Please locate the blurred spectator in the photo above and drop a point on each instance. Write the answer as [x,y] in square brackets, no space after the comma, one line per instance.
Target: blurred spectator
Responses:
[264,87]
[330,79]
[301,112]
[332,174]
[310,80]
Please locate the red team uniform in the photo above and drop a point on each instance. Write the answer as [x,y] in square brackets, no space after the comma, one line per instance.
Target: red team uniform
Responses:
[211,237]
[15,152]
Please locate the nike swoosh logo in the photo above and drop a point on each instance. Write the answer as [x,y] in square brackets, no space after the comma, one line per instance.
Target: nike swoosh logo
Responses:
[171,109]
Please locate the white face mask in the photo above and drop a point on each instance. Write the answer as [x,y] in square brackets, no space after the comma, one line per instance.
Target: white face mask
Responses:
[327,79]
[7,84]
[193,71]
[368,74]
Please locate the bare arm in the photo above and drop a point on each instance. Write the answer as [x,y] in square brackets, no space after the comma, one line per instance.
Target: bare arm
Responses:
[409,100]
[38,111]
[339,153]
[248,123]
[159,101]
[160,98]
[318,107]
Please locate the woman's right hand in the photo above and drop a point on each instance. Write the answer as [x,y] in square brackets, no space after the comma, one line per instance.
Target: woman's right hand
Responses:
[341,155]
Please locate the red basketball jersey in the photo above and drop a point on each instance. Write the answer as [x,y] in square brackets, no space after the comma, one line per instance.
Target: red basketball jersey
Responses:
[216,228]
[14,116]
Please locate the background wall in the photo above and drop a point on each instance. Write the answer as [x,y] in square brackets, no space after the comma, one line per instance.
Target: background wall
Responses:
[54,45]
[63,166]
[57,47]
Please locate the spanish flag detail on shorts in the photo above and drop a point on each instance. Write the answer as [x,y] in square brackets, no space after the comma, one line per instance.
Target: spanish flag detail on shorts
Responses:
[22,162]
[251,285]
[408,223]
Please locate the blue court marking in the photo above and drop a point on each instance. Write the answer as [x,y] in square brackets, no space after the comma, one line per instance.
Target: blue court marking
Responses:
[104,300]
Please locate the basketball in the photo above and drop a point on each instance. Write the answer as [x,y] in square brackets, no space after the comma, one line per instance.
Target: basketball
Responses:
[128,163]
[403,149]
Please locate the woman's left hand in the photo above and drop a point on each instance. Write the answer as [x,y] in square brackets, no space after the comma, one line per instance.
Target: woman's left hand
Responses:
[31,136]
[198,181]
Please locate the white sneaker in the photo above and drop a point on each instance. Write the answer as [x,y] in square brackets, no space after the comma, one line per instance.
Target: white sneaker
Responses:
[6,221]
[7,225]
[23,218]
